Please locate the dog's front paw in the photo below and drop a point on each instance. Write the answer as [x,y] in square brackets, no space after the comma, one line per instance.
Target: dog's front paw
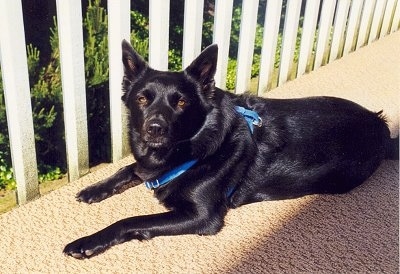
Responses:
[84,248]
[93,194]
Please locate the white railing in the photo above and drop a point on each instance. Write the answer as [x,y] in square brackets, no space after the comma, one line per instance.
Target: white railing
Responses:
[330,29]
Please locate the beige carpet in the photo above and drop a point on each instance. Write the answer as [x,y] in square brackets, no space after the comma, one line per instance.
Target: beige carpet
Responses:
[351,233]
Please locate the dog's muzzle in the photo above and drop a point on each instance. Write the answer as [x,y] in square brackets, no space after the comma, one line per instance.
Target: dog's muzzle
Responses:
[155,133]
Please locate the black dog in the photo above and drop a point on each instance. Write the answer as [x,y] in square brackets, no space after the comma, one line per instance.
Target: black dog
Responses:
[204,150]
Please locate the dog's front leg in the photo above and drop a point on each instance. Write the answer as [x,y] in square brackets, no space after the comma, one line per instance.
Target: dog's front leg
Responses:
[117,183]
[142,228]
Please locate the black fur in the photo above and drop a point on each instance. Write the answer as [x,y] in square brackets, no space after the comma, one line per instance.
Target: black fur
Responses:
[305,146]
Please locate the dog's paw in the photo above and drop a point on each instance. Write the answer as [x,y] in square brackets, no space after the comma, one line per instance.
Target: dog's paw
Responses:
[84,248]
[93,194]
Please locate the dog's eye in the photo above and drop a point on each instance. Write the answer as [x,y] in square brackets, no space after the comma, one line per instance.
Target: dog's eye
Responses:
[142,100]
[181,103]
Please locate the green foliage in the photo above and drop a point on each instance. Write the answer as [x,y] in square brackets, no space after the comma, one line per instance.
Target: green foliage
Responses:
[174,60]
[33,58]
[207,30]
[140,40]
[50,173]
[96,44]
[3,125]
[95,33]
[140,33]
[231,74]
[47,110]
[6,174]
[235,32]
[46,96]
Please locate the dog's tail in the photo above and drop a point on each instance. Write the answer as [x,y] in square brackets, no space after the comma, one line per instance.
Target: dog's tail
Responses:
[391,144]
[392,149]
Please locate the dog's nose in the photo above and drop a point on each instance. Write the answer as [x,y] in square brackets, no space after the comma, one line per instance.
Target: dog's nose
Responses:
[156,129]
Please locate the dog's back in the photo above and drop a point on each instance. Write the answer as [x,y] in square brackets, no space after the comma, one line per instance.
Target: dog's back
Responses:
[314,145]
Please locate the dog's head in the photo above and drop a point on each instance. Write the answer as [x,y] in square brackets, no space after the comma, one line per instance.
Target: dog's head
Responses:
[167,107]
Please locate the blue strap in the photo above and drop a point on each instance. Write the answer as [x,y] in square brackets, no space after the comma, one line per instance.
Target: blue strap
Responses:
[252,118]
[169,176]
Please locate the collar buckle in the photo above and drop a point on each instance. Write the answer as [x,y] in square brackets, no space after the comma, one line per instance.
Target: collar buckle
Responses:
[258,122]
[152,185]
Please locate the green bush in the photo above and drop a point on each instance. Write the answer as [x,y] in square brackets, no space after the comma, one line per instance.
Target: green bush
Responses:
[96,44]
[47,109]
[6,173]
[140,33]
[46,97]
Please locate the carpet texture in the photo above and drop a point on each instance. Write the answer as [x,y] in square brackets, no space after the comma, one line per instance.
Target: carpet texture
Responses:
[355,232]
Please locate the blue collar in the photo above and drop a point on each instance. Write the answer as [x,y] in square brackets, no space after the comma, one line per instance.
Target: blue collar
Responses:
[170,175]
[252,118]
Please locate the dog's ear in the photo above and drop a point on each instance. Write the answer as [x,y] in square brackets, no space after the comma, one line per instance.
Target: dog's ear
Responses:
[204,66]
[133,62]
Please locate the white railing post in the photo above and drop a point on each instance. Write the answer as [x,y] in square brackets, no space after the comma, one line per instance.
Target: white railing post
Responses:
[159,34]
[324,32]
[387,17]
[396,18]
[353,22]
[18,101]
[270,39]
[289,39]
[377,20]
[221,36]
[119,16]
[248,23]
[339,26]
[69,20]
[308,35]
[365,23]
[193,25]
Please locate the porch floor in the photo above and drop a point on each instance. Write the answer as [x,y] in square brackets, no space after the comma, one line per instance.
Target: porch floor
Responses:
[354,232]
